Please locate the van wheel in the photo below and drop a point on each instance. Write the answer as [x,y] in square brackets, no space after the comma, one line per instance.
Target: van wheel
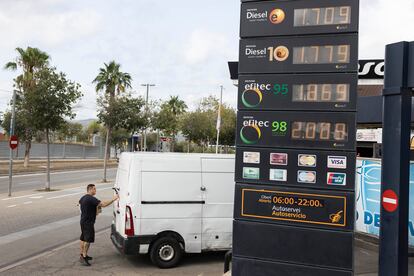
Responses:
[166,252]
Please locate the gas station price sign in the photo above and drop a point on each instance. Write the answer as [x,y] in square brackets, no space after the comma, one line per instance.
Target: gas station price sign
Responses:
[299,54]
[278,18]
[336,92]
[318,130]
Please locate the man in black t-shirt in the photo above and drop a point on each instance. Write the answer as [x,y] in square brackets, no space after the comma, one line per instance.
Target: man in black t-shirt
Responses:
[89,205]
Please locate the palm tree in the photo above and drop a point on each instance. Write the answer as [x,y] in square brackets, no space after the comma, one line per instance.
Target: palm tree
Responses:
[113,82]
[30,61]
[176,108]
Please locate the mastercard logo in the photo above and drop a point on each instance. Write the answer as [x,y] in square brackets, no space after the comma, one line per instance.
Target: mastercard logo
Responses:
[277,16]
[250,134]
[252,98]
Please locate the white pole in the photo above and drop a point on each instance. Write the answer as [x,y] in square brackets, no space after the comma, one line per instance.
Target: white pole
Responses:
[219,118]
[11,151]
[146,114]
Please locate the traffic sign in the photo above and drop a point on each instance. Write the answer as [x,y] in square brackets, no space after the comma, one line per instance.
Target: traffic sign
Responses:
[390,201]
[14,142]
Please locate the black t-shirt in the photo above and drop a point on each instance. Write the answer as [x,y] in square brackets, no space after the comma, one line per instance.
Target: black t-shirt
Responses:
[88,206]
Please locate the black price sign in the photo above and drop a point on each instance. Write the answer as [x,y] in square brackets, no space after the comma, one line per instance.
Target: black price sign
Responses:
[336,92]
[311,169]
[299,54]
[278,18]
[295,206]
[323,130]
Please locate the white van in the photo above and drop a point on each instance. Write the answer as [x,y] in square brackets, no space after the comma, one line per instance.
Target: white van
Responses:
[173,203]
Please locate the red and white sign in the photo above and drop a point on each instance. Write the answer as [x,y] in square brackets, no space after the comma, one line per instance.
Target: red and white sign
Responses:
[14,142]
[390,201]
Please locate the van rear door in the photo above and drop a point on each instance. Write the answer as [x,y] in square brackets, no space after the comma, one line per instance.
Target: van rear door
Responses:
[218,194]
[122,184]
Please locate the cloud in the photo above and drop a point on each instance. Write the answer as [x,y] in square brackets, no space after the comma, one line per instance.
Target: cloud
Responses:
[44,22]
[383,22]
[204,44]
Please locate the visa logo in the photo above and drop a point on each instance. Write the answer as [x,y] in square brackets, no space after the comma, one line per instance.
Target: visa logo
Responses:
[338,179]
[337,162]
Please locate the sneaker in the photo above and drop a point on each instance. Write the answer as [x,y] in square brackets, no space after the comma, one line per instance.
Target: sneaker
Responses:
[89,258]
[84,261]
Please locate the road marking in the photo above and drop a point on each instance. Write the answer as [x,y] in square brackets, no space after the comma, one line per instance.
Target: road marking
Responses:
[61,196]
[36,197]
[37,194]
[37,174]
[43,228]
[28,202]
[28,183]
[11,206]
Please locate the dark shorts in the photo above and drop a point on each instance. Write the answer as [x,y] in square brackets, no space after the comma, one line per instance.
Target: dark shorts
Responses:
[88,232]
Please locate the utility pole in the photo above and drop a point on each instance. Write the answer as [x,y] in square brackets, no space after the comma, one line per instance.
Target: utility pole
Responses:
[11,150]
[146,114]
[219,117]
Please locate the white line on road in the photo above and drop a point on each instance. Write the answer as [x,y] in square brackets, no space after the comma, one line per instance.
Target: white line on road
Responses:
[37,194]
[35,197]
[28,202]
[61,196]
[28,183]
[43,228]
[11,206]
[37,174]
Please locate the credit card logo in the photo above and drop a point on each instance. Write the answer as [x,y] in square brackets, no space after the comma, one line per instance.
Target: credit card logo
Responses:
[279,159]
[251,173]
[251,157]
[306,177]
[338,179]
[278,175]
[306,160]
[337,162]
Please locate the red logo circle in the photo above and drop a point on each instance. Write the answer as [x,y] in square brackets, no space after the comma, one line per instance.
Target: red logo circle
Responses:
[390,200]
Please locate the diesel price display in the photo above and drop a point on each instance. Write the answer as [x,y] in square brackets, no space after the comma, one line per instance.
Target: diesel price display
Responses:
[275,18]
[299,54]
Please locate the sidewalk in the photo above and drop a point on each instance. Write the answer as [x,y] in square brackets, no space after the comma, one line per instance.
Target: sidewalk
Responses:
[107,261]
[36,166]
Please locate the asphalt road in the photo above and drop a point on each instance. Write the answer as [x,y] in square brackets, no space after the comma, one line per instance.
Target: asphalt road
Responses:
[57,179]
[33,222]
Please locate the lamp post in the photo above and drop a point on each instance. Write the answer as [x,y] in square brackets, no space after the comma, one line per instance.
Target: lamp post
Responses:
[146,113]
[219,117]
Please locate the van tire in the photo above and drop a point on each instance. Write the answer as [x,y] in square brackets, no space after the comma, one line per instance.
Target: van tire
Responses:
[166,252]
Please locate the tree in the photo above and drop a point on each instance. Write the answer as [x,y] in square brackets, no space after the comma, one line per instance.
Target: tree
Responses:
[125,114]
[70,130]
[200,126]
[168,118]
[30,61]
[50,104]
[113,82]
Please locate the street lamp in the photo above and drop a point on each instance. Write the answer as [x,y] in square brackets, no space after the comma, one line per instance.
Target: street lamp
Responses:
[146,113]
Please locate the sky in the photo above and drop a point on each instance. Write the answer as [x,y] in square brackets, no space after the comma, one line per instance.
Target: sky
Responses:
[182,46]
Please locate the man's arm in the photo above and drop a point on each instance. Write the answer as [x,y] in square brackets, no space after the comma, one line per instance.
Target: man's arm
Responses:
[104,204]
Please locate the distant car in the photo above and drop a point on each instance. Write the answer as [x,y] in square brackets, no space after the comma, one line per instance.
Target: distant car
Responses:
[173,203]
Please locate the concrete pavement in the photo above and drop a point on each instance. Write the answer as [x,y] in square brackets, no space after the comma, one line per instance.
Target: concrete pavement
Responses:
[32,222]
[108,261]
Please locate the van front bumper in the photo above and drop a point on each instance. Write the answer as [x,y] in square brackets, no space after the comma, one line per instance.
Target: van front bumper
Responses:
[130,245]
